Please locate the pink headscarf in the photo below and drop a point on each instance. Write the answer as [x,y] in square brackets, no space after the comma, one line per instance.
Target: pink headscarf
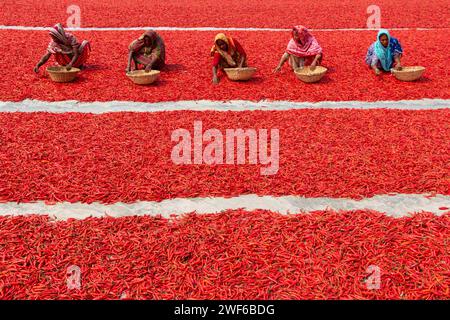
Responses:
[306,46]
[66,41]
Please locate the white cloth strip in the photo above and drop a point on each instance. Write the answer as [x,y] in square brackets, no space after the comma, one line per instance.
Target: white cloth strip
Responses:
[398,205]
[208,105]
[32,28]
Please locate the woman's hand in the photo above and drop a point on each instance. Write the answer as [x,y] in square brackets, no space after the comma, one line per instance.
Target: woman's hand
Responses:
[41,62]
[277,69]
[148,68]
[241,63]
[398,65]
[377,71]
[233,65]
[215,80]
[130,59]
[68,67]
[313,65]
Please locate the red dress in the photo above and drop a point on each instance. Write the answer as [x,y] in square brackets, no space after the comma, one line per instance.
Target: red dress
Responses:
[237,53]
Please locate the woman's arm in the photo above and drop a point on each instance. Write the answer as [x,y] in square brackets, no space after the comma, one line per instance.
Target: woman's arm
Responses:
[398,65]
[215,79]
[216,62]
[242,53]
[130,58]
[41,62]
[375,69]
[155,56]
[283,60]
[76,54]
[241,62]
[372,60]
[314,63]
[149,66]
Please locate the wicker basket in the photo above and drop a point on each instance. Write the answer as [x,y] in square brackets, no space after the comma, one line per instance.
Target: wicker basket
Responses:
[143,77]
[307,75]
[408,73]
[239,74]
[61,74]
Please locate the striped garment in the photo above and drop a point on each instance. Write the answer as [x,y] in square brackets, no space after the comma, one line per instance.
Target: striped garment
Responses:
[305,46]
[63,44]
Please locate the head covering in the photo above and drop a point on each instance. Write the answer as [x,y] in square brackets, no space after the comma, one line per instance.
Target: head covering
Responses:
[306,45]
[383,53]
[64,40]
[227,55]
[138,44]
